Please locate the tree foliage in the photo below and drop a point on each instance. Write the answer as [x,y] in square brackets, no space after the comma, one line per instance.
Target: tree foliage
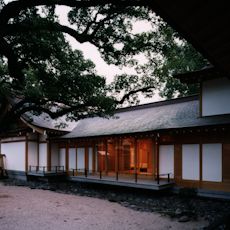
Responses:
[40,72]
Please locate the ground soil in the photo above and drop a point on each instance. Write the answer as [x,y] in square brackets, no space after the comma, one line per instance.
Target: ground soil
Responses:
[65,205]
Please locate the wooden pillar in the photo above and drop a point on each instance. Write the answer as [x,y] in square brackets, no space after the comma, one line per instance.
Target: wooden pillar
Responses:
[226,163]
[152,157]
[86,157]
[135,156]
[26,153]
[94,157]
[116,142]
[157,154]
[106,156]
[201,167]
[201,99]
[38,150]
[67,158]
[48,155]
[76,155]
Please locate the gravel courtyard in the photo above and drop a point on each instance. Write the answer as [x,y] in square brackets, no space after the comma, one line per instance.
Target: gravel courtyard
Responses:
[23,208]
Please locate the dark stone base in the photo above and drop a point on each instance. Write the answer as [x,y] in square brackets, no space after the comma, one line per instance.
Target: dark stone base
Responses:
[19,175]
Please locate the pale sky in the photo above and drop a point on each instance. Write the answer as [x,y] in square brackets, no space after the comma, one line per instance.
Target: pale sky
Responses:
[91,52]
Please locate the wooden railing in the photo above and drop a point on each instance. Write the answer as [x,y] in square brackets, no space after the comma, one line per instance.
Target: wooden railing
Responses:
[45,169]
[118,175]
[158,176]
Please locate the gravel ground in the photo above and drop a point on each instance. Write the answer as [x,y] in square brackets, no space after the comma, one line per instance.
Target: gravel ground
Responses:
[36,208]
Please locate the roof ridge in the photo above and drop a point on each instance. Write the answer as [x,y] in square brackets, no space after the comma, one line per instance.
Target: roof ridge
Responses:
[159,103]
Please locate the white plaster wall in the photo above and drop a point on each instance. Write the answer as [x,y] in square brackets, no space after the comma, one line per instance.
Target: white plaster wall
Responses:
[166,159]
[80,158]
[54,155]
[43,154]
[191,162]
[15,155]
[212,162]
[90,158]
[62,157]
[72,158]
[215,97]
[32,153]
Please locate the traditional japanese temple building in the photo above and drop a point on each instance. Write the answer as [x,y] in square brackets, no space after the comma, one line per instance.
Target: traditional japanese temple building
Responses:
[181,142]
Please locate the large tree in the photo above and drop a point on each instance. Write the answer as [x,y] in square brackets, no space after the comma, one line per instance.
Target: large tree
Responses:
[40,72]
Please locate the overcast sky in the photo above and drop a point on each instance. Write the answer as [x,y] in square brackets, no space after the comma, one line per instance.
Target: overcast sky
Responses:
[91,52]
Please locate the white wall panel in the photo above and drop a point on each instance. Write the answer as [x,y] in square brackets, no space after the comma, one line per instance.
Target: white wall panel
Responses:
[212,162]
[190,162]
[72,158]
[62,157]
[43,154]
[215,97]
[15,155]
[166,159]
[32,153]
[80,158]
[54,155]
[90,158]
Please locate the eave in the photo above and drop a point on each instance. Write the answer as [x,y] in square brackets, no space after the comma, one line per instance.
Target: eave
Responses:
[202,23]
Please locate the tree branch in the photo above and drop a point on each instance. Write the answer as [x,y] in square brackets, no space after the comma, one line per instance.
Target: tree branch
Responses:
[12,9]
[126,96]
[15,70]
[12,29]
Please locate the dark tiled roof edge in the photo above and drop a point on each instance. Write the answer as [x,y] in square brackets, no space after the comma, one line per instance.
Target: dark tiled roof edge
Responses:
[159,103]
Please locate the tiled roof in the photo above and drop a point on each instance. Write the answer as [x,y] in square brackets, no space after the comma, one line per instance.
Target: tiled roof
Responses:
[176,113]
[45,122]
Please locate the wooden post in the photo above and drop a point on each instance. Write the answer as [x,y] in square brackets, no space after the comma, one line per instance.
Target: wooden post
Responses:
[94,158]
[37,149]
[201,168]
[48,155]
[116,155]
[106,156]
[26,154]
[67,158]
[201,99]
[135,158]
[86,157]
[76,156]
[157,154]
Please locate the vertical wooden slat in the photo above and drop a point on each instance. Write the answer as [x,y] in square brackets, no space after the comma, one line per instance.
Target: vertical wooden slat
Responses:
[94,157]
[38,150]
[226,162]
[135,156]
[48,155]
[153,157]
[116,143]
[201,163]
[157,154]
[178,162]
[106,156]
[67,158]
[26,154]
[86,157]
[76,154]
[201,99]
